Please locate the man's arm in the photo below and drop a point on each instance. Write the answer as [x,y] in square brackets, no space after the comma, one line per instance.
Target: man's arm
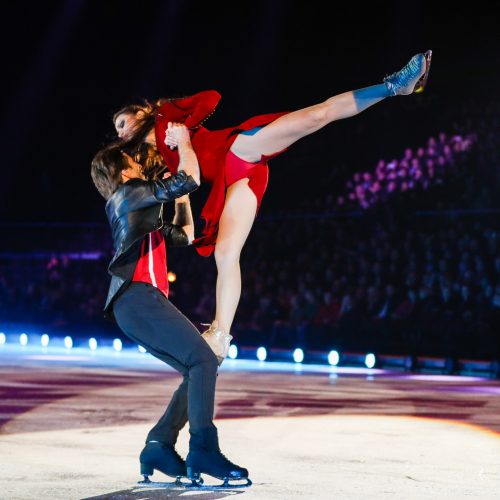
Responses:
[188,162]
[173,187]
[181,231]
[184,216]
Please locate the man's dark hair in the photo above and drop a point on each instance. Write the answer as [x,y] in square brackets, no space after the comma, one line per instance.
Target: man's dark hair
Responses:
[106,169]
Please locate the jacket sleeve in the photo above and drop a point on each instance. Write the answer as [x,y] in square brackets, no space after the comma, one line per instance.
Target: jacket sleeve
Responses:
[175,186]
[175,236]
[192,110]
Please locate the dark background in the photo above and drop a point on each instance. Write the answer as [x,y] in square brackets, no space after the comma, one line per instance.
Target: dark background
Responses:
[67,66]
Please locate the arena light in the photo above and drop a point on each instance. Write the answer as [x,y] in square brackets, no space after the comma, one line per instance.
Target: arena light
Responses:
[233,351]
[3,338]
[23,339]
[298,355]
[333,358]
[370,360]
[68,342]
[171,277]
[92,344]
[261,353]
[117,345]
[44,340]
[141,349]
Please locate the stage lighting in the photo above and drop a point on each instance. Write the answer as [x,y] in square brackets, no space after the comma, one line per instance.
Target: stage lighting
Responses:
[261,354]
[333,358]
[23,339]
[141,349]
[44,340]
[3,338]
[171,277]
[117,345]
[370,360]
[92,344]
[68,342]
[298,355]
[233,351]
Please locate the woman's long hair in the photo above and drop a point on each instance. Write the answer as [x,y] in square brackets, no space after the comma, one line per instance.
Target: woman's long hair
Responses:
[136,146]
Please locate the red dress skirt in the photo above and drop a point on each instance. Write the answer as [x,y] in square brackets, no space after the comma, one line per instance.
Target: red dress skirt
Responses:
[218,165]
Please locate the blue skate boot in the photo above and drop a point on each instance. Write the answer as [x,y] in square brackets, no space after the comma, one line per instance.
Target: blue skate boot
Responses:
[205,457]
[412,78]
[164,458]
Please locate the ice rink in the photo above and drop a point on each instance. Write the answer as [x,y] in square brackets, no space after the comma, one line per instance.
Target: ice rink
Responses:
[72,426]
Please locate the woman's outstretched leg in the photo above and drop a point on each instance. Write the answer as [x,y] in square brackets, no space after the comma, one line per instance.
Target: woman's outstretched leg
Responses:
[289,128]
[234,226]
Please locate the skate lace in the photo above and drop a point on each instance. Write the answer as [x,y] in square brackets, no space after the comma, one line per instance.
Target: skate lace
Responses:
[211,326]
[403,75]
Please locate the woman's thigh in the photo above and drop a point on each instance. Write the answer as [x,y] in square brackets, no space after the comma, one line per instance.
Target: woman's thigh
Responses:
[237,219]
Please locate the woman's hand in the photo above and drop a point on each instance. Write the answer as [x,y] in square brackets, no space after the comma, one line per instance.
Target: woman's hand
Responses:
[177,135]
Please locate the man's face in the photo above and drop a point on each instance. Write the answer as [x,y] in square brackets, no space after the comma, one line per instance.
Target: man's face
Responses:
[134,170]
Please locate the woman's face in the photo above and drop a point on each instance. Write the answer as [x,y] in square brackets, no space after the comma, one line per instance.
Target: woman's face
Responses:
[125,124]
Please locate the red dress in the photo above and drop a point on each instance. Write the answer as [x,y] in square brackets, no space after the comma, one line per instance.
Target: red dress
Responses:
[218,166]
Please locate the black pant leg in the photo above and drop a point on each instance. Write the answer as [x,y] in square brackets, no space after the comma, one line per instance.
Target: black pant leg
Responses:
[174,419]
[147,317]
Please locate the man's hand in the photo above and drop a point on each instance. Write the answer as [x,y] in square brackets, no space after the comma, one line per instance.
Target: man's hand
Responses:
[177,134]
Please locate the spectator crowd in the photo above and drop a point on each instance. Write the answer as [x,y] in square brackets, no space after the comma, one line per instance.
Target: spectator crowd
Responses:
[404,275]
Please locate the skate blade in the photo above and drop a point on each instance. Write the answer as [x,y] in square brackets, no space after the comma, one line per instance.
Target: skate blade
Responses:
[195,485]
[226,485]
[420,86]
[177,484]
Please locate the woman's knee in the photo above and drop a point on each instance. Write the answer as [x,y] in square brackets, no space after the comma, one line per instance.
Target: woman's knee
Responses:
[225,256]
[315,117]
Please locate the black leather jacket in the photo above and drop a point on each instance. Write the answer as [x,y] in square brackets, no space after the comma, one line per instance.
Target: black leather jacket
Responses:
[134,210]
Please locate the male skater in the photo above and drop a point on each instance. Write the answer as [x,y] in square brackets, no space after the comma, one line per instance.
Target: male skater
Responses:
[138,301]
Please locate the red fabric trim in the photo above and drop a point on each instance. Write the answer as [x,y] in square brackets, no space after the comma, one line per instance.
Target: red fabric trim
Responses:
[151,266]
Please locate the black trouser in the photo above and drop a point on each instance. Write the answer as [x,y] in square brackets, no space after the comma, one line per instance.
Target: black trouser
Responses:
[149,319]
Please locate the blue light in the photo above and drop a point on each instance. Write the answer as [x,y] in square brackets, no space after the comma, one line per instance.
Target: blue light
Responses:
[141,349]
[93,344]
[298,355]
[117,345]
[68,342]
[3,338]
[44,340]
[233,351]
[261,354]
[333,358]
[370,360]
[23,339]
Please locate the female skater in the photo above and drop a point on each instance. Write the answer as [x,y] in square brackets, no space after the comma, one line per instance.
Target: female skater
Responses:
[234,161]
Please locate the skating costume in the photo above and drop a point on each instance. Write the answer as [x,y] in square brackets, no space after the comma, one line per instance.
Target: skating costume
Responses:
[219,166]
